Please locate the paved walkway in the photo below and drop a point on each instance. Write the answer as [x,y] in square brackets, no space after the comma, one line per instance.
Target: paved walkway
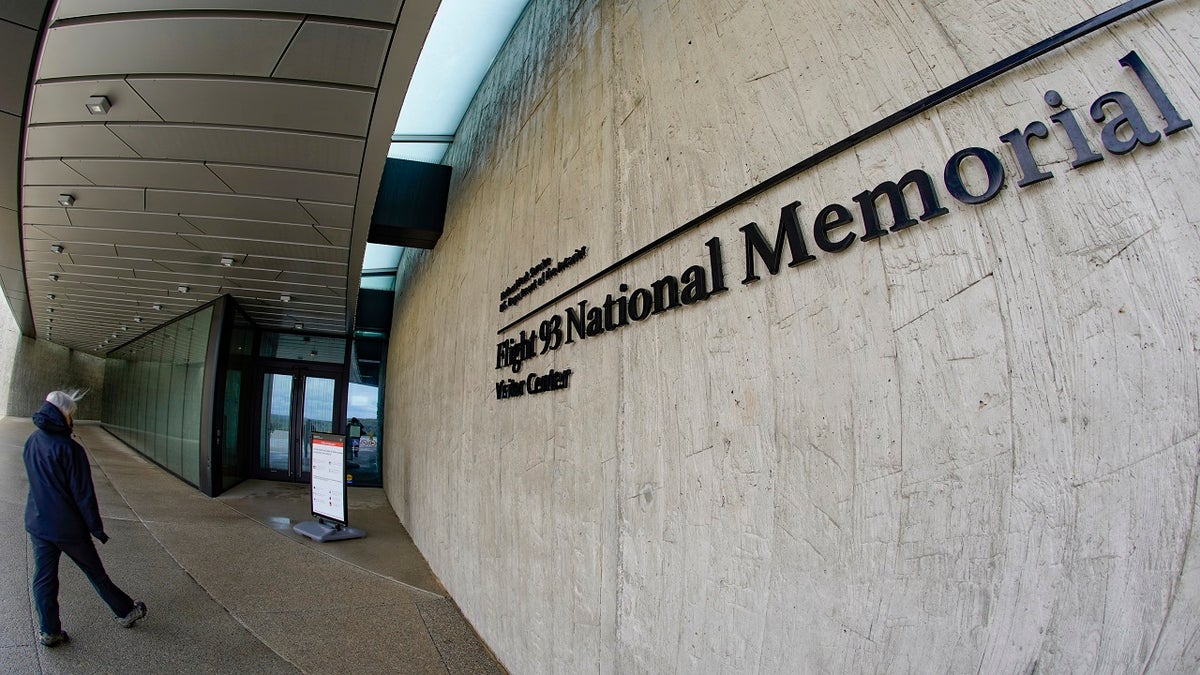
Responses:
[230,588]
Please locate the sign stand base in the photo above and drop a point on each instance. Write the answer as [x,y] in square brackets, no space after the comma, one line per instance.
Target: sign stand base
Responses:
[320,530]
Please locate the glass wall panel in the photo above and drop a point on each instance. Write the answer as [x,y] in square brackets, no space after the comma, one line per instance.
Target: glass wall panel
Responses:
[364,410]
[312,348]
[175,399]
[155,393]
[237,404]
[191,403]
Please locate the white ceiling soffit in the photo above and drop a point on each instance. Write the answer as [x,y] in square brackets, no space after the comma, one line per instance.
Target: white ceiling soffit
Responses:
[241,154]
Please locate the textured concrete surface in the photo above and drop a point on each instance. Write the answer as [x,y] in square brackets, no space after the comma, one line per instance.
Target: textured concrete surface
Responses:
[29,369]
[229,587]
[969,445]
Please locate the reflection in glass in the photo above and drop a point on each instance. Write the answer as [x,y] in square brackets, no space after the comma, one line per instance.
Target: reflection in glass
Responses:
[318,413]
[277,422]
[364,411]
[154,393]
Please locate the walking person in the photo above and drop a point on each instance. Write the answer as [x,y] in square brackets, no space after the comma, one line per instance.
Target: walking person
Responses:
[61,516]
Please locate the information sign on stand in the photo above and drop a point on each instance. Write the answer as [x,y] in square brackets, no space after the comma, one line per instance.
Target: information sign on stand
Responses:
[328,492]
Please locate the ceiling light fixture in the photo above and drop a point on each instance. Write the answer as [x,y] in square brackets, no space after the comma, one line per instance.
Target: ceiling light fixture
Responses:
[299,326]
[184,289]
[50,309]
[124,327]
[285,298]
[53,277]
[227,262]
[50,296]
[157,308]
[97,105]
[137,319]
[66,199]
[56,248]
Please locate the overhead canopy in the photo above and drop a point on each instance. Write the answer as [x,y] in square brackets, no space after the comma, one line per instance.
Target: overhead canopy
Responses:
[240,153]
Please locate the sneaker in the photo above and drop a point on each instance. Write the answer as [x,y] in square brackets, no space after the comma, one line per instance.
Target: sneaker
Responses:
[53,639]
[135,615]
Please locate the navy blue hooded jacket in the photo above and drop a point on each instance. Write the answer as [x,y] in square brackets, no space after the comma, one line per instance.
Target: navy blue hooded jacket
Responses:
[62,500]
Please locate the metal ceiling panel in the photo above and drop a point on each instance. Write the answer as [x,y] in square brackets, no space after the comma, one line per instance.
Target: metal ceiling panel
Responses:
[140,221]
[384,11]
[336,52]
[19,42]
[38,250]
[86,273]
[73,140]
[178,278]
[52,172]
[10,143]
[59,102]
[28,13]
[145,173]
[44,267]
[336,236]
[293,150]
[305,273]
[288,183]
[91,235]
[227,206]
[39,215]
[114,261]
[189,254]
[244,120]
[259,103]
[236,272]
[324,295]
[297,284]
[330,215]
[255,229]
[188,44]
[251,247]
[87,197]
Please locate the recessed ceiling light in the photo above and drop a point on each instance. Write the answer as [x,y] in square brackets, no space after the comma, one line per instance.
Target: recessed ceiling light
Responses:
[313,353]
[184,289]
[50,296]
[157,308]
[124,327]
[53,277]
[137,319]
[66,199]
[50,309]
[299,326]
[97,105]
[285,298]
[56,248]
[227,262]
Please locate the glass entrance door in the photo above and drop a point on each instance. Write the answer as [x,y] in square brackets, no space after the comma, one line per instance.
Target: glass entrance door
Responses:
[296,401]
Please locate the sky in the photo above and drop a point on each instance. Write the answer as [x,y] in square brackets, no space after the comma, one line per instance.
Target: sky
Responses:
[361,404]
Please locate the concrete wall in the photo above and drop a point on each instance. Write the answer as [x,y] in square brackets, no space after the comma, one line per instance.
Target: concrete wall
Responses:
[31,368]
[9,336]
[967,445]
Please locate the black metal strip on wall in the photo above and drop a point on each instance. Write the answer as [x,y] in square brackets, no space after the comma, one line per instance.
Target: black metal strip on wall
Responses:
[969,82]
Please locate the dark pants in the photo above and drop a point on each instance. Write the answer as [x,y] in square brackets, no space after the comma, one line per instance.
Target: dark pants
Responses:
[45,579]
